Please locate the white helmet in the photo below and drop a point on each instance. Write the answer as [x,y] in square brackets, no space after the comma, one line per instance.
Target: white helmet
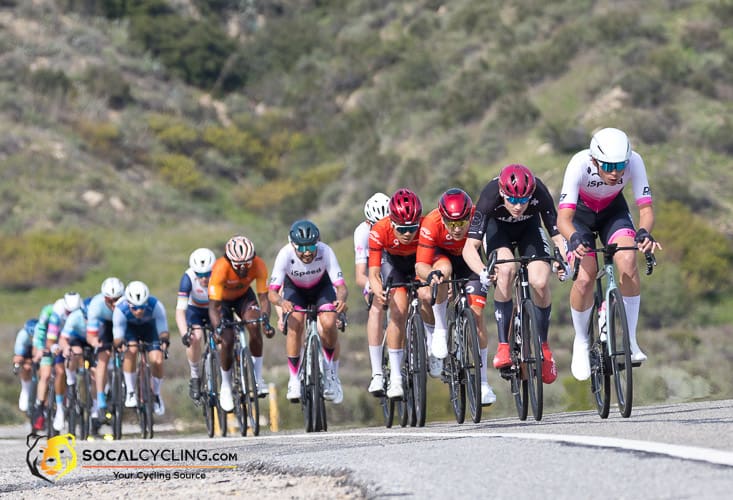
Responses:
[72,301]
[240,249]
[113,288]
[610,145]
[137,293]
[201,260]
[376,207]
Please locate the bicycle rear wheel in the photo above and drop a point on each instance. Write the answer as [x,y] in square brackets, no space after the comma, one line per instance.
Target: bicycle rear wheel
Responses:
[518,382]
[145,402]
[471,361]
[532,353]
[600,376]
[249,398]
[72,409]
[84,401]
[618,330]
[418,367]
[51,407]
[453,369]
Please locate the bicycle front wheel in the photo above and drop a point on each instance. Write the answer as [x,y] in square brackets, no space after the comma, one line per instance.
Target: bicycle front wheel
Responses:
[618,330]
[418,367]
[117,395]
[84,401]
[388,405]
[145,402]
[517,381]
[471,361]
[532,353]
[51,407]
[452,367]
[600,375]
[249,399]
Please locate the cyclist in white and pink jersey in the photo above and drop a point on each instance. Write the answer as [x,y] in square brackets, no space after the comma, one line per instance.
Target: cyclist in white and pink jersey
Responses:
[591,201]
[309,274]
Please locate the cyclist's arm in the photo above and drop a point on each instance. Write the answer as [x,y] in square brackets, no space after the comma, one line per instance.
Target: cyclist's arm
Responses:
[375,282]
[360,273]
[263,298]
[342,293]
[161,322]
[472,256]
[215,312]
[184,291]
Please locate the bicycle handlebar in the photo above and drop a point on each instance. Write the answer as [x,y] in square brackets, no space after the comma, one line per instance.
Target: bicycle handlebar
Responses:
[342,322]
[524,260]
[434,288]
[611,249]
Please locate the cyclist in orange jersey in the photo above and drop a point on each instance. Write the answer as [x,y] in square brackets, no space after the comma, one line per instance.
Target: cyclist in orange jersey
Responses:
[392,250]
[230,288]
[439,257]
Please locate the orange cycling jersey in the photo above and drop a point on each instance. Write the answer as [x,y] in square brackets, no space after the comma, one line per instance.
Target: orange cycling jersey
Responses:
[225,284]
[382,237]
[434,234]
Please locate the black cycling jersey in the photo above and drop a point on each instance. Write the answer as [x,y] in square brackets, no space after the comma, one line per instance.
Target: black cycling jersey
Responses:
[491,206]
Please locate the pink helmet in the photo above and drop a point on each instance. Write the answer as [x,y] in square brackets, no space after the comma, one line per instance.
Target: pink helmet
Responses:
[405,207]
[517,181]
[455,204]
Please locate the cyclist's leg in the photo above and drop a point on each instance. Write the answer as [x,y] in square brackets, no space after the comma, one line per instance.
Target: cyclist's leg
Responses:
[323,297]
[59,364]
[129,365]
[226,353]
[195,317]
[628,281]
[535,243]
[155,359]
[438,346]
[499,237]
[396,341]
[294,339]
[477,302]
[375,334]
[251,311]
[22,357]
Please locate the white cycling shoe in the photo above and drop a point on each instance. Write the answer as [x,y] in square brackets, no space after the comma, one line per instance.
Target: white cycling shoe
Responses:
[225,398]
[487,394]
[293,394]
[395,389]
[439,345]
[376,386]
[435,366]
[580,366]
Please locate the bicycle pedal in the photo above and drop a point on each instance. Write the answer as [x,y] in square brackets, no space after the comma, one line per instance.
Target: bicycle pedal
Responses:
[636,364]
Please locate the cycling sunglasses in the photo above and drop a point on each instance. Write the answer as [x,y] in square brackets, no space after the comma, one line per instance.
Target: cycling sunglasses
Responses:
[455,224]
[203,275]
[411,228]
[518,200]
[306,248]
[611,166]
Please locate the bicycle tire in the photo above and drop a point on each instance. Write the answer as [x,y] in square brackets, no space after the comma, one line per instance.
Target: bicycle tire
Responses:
[533,356]
[249,396]
[313,386]
[72,410]
[32,394]
[51,405]
[145,403]
[456,389]
[388,406]
[518,382]
[418,367]
[208,394]
[84,398]
[471,364]
[117,389]
[240,406]
[407,383]
[600,377]
[620,353]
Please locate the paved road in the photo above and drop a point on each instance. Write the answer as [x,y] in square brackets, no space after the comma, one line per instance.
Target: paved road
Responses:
[668,451]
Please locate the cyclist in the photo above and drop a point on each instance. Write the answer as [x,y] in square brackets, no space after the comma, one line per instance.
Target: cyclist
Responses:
[392,250]
[375,208]
[73,339]
[509,214]
[139,316]
[230,289]
[591,201]
[309,274]
[99,336]
[47,352]
[439,256]
[22,359]
[192,311]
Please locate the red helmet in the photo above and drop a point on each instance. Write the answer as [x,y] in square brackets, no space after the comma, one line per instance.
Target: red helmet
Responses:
[455,204]
[517,181]
[405,207]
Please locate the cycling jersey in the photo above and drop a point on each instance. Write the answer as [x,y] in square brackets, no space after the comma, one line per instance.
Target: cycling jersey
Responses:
[583,185]
[382,238]
[302,275]
[191,292]
[434,235]
[154,316]
[75,326]
[99,318]
[23,343]
[226,284]
[361,243]
[40,332]
[491,206]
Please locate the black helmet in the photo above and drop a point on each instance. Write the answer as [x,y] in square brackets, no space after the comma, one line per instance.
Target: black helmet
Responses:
[304,232]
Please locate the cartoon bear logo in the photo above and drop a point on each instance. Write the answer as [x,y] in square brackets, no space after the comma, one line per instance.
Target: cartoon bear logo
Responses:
[53,461]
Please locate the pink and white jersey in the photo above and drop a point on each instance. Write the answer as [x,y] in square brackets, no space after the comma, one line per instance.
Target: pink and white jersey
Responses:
[361,243]
[287,264]
[582,182]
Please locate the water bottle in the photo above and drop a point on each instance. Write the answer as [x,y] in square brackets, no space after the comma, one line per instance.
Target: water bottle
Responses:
[602,321]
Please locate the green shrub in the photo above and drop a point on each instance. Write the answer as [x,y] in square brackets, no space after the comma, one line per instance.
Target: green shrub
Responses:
[179,137]
[566,136]
[45,259]
[702,36]
[99,137]
[48,82]
[516,112]
[646,87]
[418,71]
[108,83]
[180,171]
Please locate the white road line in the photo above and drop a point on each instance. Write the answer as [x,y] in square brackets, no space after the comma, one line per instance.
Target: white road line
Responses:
[710,455]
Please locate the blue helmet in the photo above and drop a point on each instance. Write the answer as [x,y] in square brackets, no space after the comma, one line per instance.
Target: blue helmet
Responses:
[30,325]
[304,232]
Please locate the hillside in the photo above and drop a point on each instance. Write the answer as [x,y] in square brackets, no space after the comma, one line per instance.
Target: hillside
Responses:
[133,132]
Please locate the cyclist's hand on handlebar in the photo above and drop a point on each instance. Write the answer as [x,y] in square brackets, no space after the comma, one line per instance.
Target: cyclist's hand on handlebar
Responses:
[485,278]
[434,277]
[286,306]
[579,243]
[267,328]
[340,306]
[645,241]
[186,339]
